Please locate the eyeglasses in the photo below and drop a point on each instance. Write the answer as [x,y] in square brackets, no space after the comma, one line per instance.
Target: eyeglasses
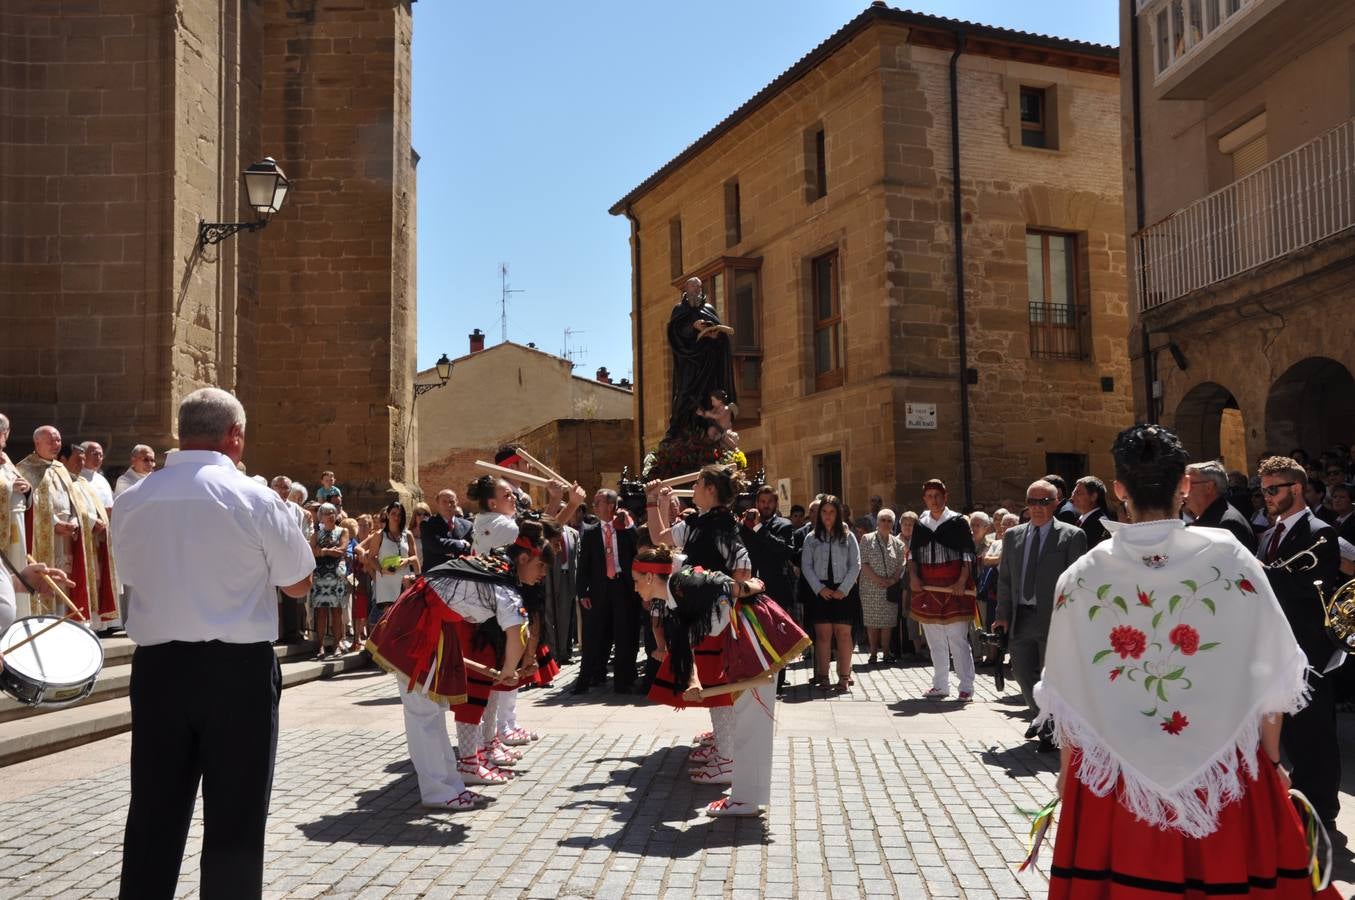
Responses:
[1274,489]
[1041,501]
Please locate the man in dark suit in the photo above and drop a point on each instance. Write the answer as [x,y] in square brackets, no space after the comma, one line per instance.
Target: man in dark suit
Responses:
[1089,499]
[1064,510]
[1308,737]
[611,611]
[562,592]
[1034,555]
[1208,503]
[446,535]
[1342,516]
[770,540]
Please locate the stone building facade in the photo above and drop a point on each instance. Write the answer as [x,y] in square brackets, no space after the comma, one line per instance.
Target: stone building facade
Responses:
[123,123]
[581,427]
[1240,203]
[821,216]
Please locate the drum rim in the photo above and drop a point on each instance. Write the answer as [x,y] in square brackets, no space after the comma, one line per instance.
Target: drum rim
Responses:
[18,672]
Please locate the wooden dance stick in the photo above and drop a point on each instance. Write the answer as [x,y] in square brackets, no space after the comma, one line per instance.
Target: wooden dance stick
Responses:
[481,669]
[680,479]
[40,632]
[513,473]
[949,589]
[745,685]
[683,492]
[542,467]
[59,592]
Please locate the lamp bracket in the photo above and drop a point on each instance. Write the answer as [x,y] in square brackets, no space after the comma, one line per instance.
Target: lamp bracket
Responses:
[421,389]
[216,232]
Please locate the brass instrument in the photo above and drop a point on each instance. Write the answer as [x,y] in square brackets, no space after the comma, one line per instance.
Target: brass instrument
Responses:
[1338,613]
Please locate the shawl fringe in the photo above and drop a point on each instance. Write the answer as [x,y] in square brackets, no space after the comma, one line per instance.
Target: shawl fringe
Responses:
[1193,806]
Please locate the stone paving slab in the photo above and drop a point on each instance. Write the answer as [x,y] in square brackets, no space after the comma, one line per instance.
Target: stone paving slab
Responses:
[603,809]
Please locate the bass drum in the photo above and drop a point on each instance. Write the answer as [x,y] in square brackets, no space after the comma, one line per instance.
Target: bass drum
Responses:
[58,668]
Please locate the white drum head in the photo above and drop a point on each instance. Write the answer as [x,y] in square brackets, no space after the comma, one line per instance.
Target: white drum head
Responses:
[68,654]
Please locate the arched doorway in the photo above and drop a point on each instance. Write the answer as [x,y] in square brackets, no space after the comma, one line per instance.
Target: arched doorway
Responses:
[1312,405]
[1209,422]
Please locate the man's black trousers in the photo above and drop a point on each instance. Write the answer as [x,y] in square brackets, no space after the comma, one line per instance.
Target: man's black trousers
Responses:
[201,712]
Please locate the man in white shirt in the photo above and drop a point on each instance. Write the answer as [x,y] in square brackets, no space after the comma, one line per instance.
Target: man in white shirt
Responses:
[201,548]
[91,472]
[140,465]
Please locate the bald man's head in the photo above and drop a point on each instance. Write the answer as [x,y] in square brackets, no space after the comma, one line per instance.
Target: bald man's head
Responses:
[47,442]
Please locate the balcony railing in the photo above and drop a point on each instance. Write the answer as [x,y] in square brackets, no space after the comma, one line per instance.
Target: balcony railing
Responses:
[1293,201]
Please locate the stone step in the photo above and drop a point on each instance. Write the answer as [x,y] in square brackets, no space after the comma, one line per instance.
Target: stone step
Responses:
[59,729]
[115,679]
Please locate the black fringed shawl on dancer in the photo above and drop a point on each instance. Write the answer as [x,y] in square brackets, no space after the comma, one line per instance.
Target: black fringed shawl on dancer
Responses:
[419,635]
[941,555]
[712,541]
[688,629]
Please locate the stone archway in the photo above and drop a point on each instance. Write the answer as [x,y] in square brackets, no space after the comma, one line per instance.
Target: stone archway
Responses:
[1210,424]
[1312,405]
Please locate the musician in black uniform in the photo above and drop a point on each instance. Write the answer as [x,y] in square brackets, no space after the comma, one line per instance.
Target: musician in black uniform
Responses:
[1308,737]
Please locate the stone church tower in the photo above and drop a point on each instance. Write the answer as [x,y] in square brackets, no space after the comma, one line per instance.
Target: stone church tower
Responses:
[123,123]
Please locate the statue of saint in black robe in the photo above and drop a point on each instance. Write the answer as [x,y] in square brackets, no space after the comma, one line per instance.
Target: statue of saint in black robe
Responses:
[701,366]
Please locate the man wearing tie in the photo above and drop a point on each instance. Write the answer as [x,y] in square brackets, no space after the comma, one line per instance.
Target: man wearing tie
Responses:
[1309,736]
[611,612]
[1034,555]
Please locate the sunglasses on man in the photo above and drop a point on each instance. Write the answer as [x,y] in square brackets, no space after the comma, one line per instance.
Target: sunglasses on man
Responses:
[1272,490]
[1041,501]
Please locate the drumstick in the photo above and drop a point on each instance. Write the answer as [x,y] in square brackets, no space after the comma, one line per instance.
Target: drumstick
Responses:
[541,467]
[680,479]
[59,592]
[745,685]
[513,473]
[39,633]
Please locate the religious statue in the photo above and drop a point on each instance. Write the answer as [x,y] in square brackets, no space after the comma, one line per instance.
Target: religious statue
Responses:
[703,364]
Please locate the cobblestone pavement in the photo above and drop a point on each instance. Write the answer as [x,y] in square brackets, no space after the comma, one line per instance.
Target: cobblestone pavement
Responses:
[892,807]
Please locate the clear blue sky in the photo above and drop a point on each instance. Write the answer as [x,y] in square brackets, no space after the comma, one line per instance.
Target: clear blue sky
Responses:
[533,117]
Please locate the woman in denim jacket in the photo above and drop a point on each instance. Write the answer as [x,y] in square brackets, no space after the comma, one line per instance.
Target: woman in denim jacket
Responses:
[831,562]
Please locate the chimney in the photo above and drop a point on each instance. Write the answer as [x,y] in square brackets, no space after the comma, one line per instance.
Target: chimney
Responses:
[604,376]
[477,341]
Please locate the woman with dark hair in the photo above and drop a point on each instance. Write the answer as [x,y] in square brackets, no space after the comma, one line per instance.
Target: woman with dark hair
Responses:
[749,632]
[469,608]
[396,561]
[831,562]
[1169,669]
[495,522]
[709,540]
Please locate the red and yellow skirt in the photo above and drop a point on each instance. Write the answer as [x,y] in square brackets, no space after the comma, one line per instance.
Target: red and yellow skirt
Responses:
[1259,850]
[472,709]
[709,656]
[420,637]
[939,607]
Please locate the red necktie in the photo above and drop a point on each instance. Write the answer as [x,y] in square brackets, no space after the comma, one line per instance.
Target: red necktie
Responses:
[1273,548]
[607,549]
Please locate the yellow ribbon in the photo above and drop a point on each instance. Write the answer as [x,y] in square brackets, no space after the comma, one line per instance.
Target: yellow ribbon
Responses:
[756,627]
[1040,821]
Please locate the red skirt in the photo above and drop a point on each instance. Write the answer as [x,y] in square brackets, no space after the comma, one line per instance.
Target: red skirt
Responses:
[360,604]
[937,607]
[477,685]
[1102,852]
[710,670]
[546,666]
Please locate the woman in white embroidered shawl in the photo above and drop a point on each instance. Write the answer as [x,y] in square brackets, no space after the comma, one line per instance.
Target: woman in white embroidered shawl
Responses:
[1170,665]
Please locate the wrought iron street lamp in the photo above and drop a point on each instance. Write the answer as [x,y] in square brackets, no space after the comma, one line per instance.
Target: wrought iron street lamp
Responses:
[266,187]
[444,367]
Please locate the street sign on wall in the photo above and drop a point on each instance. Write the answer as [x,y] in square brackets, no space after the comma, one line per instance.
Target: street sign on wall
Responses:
[920,415]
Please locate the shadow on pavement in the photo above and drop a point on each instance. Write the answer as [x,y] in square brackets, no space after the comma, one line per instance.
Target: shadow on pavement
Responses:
[1022,761]
[378,701]
[659,796]
[389,816]
[918,707]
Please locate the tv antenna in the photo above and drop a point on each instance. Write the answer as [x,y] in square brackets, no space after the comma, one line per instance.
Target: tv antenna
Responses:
[505,290]
[572,355]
